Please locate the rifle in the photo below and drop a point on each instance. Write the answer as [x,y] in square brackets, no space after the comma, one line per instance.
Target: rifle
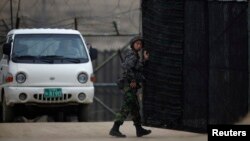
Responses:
[121,81]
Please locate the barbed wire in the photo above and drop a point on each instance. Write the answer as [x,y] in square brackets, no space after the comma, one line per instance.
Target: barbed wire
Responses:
[93,16]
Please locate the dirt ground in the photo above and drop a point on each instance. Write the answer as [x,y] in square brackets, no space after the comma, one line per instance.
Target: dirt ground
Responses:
[91,131]
[245,120]
[98,131]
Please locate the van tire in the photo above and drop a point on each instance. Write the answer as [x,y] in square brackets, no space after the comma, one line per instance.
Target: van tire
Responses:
[7,111]
[60,116]
[83,113]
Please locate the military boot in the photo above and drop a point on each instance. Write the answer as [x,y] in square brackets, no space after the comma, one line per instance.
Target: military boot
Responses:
[141,131]
[115,130]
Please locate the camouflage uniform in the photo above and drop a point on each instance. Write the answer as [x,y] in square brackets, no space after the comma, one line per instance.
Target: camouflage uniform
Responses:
[132,71]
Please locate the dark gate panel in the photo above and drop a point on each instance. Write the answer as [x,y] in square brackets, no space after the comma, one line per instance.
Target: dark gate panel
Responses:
[198,68]
[228,53]
[163,35]
[195,72]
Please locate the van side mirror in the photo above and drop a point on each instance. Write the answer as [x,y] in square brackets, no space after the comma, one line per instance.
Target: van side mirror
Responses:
[93,53]
[6,49]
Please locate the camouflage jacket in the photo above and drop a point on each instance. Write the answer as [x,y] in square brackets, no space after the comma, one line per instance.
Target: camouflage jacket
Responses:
[133,68]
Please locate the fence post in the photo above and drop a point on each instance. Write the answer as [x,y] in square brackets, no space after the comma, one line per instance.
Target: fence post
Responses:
[75,22]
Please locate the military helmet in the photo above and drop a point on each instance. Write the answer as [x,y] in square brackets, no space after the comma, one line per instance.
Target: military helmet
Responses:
[133,40]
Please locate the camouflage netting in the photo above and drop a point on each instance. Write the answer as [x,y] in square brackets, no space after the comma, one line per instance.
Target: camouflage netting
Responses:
[198,71]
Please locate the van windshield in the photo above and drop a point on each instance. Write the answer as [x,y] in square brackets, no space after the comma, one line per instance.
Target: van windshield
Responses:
[49,48]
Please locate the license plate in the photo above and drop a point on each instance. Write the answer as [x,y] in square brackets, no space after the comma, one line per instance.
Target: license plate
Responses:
[52,92]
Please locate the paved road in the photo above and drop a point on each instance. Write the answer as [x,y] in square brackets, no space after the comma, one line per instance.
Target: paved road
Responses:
[96,131]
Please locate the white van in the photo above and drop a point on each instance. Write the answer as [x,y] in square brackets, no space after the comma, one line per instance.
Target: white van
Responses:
[46,67]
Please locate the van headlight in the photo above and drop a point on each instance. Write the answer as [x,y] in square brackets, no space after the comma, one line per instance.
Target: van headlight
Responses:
[20,77]
[82,77]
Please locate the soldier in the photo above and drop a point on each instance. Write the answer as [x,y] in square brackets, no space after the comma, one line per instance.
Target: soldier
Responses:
[133,76]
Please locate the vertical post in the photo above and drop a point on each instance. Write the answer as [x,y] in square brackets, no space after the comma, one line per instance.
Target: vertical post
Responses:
[116,28]
[17,15]
[17,22]
[75,22]
[11,14]
[140,19]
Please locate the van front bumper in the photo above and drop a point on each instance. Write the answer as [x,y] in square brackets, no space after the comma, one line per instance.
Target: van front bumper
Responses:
[35,95]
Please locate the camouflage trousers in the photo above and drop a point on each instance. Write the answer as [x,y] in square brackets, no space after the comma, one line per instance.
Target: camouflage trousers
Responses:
[130,105]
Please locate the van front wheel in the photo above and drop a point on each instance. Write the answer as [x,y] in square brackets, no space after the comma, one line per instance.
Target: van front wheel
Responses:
[83,113]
